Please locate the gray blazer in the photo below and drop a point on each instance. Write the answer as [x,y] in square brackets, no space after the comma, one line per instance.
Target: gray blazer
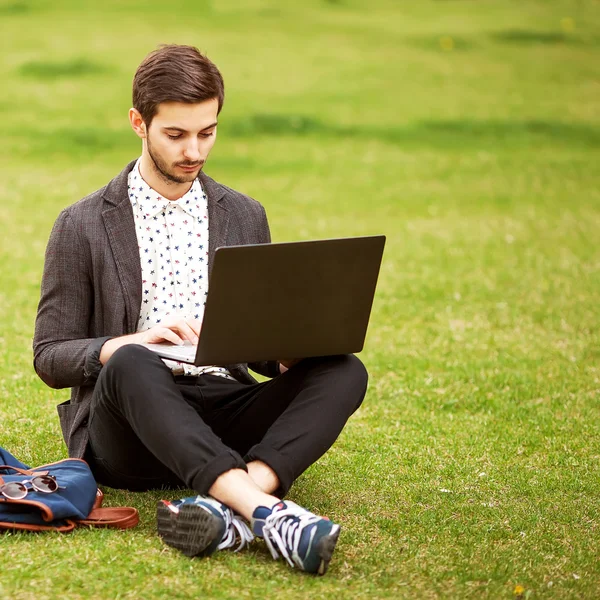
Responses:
[92,288]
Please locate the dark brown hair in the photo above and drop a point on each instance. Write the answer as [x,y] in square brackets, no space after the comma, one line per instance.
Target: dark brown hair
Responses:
[175,73]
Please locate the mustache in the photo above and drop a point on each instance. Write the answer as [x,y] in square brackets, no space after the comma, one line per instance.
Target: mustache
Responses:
[189,164]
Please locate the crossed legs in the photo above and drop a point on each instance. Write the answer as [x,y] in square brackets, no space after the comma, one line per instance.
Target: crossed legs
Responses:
[237,442]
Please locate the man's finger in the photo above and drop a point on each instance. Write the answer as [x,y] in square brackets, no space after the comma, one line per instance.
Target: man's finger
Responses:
[288,363]
[195,324]
[169,336]
[185,331]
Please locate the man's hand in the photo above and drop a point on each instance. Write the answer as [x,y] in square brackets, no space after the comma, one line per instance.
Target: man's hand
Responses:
[287,363]
[173,329]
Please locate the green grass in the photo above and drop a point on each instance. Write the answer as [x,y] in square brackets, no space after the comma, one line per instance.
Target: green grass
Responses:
[469,133]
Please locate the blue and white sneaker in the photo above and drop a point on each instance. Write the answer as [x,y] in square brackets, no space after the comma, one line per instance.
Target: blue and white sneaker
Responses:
[305,540]
[199,525]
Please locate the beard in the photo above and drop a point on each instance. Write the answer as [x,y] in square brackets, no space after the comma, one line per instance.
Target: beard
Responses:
[166,173]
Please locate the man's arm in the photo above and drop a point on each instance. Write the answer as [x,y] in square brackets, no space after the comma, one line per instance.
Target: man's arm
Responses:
[64,354]
[175,330]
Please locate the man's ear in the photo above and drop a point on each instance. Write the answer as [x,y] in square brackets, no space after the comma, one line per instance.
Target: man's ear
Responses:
[137,123]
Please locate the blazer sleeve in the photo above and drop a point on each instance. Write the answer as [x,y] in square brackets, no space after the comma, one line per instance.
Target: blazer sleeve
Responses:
[63,353]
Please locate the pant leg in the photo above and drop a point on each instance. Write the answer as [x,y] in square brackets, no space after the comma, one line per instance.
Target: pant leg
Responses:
[144,433]
[289,422]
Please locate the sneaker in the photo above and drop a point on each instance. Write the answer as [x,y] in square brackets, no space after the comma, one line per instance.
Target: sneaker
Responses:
[199,525]
[305,540]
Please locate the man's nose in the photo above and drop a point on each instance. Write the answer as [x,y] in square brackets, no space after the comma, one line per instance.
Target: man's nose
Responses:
[192,151]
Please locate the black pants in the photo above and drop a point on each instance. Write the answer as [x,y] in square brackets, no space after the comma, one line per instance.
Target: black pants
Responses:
[150,429]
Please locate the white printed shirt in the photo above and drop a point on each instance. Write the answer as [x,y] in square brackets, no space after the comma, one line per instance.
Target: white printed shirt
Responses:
[173,242]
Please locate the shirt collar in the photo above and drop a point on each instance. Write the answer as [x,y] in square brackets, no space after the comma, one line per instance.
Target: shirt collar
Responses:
[150,202]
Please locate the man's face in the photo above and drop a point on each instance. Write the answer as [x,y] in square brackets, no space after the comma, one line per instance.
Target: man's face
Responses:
[180,137]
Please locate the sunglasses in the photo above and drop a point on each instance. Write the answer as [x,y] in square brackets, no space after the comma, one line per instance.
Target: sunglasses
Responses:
[17,490]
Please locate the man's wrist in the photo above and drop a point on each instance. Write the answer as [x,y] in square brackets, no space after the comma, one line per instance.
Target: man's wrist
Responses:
[93,365]
[113,344]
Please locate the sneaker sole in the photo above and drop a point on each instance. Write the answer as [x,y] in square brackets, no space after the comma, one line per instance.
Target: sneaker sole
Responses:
[325,549]
[192,530]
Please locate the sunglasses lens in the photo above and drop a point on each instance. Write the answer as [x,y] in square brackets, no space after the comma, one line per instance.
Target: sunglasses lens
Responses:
[14,490]
[44,483]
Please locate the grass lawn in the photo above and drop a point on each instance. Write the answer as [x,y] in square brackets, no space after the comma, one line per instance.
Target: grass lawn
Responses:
[469,133]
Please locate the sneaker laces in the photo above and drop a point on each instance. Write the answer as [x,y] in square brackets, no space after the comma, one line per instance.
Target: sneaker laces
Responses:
[236,529]
[283,529]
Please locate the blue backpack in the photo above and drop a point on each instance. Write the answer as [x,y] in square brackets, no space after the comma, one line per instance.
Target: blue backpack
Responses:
[55,497]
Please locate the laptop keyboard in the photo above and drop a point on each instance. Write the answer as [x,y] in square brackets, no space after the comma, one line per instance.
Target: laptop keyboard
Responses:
[187,352]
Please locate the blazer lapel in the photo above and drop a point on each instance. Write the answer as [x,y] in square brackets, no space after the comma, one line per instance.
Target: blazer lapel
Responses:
[120,227]
[218,217]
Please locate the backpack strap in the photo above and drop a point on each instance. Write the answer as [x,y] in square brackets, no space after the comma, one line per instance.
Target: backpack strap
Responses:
[67,526]
[27,472]
[121,517]
[99,499]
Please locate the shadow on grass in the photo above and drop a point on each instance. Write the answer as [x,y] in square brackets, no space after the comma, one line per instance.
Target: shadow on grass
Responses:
[529,37]
[75,142]
[90,139]
[434,133]
[459,135]
[79,67]
[521,37]
[14,8]
[472,132]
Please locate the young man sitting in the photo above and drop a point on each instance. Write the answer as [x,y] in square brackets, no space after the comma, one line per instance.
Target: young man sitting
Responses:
[130,264]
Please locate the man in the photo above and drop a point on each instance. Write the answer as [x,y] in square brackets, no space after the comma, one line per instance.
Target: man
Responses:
[130,264]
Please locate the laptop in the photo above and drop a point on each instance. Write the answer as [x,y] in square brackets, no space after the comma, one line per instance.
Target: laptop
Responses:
[285,300]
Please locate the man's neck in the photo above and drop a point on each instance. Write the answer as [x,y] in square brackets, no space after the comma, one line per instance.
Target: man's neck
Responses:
[167,189]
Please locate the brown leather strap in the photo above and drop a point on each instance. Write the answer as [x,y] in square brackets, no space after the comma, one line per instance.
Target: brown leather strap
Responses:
[69,526]
[99,499]
[24,471]
[121,517]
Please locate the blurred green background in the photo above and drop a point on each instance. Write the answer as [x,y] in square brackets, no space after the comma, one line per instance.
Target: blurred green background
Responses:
[467,131]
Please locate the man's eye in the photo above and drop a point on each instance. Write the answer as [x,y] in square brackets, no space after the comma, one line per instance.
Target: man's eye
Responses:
[206,135]
[174,137]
